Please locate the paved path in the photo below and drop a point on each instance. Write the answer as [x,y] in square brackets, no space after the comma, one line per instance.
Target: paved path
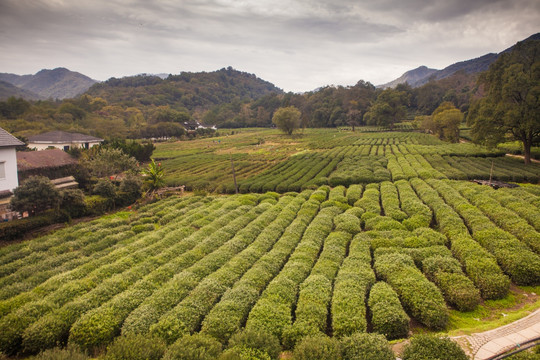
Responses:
[482,346]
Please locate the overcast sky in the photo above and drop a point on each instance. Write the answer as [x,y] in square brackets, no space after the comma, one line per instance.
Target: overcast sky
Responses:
[298,45]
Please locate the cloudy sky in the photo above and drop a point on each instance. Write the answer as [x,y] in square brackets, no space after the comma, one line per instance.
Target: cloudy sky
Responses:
[298,45]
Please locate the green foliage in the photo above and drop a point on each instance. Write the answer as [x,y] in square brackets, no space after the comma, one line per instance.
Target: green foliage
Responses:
[430,347]
[366,346]
[35,195]
[244,353]
[259,340]
[287,119]
[154,174]
[16,229]
[136,347]
[194,347]
[69,353]
[388,317]
[320,347]
[108,162]
[510,106]
[388,109]
[73,202]
[105,188]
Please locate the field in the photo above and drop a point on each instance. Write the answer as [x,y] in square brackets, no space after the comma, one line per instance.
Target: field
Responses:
[265,161]
[340,233]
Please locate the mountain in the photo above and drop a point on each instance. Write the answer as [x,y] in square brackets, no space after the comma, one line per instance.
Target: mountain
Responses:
[7,90]
[189,90]
[59,83]
[470,67]
[411,77]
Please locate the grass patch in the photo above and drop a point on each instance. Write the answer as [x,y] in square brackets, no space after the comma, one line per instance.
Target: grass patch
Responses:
[520,302]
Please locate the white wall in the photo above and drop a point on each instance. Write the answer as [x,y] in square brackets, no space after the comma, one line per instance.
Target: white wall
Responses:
[9,158]
[40,146]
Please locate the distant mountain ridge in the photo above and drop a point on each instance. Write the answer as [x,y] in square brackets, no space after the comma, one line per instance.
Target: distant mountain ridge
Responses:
[7,90]
[422,75]
[59,83]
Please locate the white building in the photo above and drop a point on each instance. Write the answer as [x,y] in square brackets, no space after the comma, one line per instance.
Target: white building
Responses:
[62,140]
[8,161]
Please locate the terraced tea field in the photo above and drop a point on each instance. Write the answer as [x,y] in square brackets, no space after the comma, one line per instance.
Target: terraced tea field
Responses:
[401,241]
[264,161]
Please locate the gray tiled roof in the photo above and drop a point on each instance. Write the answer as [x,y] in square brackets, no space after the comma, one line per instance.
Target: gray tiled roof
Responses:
[8,140]
[62,137]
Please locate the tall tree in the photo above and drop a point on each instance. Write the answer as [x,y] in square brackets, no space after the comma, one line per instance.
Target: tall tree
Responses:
[388,109]
[287,119]
[511,107]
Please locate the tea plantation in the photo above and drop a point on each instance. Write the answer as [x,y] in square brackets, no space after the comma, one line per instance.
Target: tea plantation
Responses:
[336,233]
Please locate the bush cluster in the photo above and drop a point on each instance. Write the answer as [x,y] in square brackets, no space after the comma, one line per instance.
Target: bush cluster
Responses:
[387,314]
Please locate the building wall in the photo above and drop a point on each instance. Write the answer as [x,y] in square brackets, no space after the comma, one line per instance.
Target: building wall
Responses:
[61,146]
[8,175]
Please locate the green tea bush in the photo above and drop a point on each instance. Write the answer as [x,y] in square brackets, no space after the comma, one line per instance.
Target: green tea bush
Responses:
[387,314]
[136,347]
[244,353]
[259,340]
[430,347]
[419,296]
[354,193]
[366,346]
[348,223]
[320,347]
[194,347]
[69,353]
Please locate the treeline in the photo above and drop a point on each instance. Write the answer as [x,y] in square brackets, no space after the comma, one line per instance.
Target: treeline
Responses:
[150,107]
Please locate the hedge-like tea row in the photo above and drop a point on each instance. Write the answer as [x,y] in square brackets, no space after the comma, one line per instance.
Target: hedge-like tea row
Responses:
[187,316]
[458,290]
[272,312]
[479,264]
[504,218]
[100,325]
[354,193]
[515,258]
[419,214]
[54,327]
[524,209]
[229,315]
[370,201]
[316,291]
[387,314]
[390,201]
[419,296]
[352,284]
[360,170]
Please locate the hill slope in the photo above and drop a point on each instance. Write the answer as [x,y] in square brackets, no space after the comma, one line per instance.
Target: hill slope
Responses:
[7,90]
[59,83]
[200,90]
[471,67]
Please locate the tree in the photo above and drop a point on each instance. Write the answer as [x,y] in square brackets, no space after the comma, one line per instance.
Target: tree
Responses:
[388,109]
[154,175]
[444,122]
[35,194]
[287,119]
[109,162]
[510,108]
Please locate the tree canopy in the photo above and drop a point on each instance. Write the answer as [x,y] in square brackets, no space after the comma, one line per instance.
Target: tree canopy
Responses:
[287,119]
[388,109]
[35,194]
[510,108]
[444,122]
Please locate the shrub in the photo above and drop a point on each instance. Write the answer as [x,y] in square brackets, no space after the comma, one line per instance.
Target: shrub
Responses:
[348,223]
[255,339]
[98,205]
[18,228]
[72,201]
[429,347]
[69,353]
[366,346]
[244,353]
[35,194]
[136,347]
[129,190]
[388,317]
[194,347]
[320,347]
[105,188]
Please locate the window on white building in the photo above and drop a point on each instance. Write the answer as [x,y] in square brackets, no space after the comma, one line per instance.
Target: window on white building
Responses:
[2,170]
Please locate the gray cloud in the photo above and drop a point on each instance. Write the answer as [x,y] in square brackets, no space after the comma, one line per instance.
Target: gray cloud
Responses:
[296,44]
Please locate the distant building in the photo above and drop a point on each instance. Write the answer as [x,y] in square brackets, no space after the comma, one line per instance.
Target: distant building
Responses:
[62,140]
[8,162]
[52,163]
